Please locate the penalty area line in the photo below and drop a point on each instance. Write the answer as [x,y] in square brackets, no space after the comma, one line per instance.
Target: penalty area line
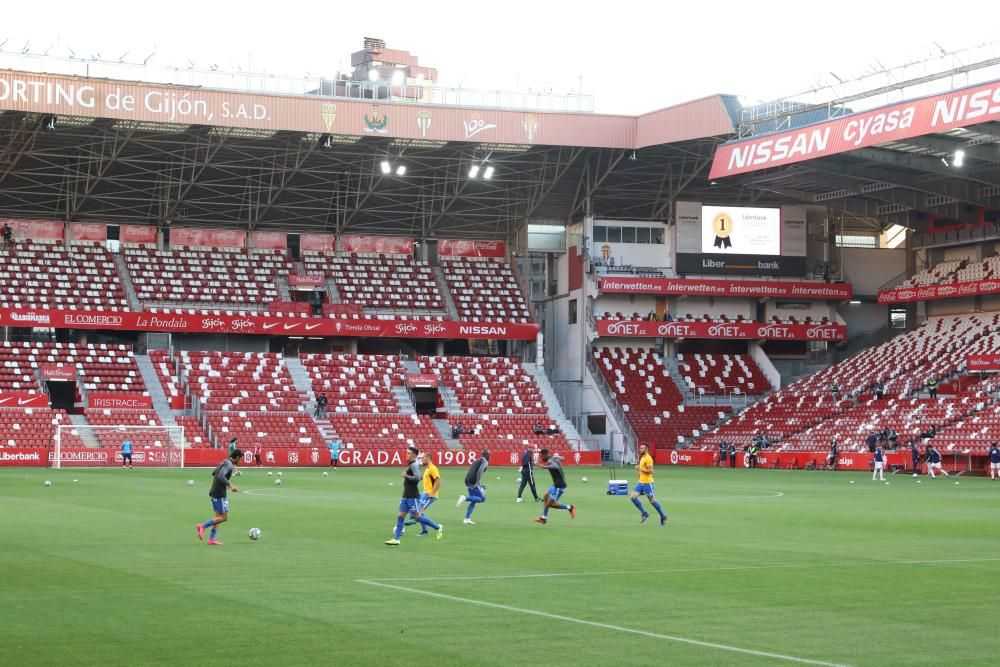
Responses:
[604,626]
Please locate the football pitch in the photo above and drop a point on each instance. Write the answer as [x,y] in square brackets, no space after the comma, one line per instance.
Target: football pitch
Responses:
[755,567]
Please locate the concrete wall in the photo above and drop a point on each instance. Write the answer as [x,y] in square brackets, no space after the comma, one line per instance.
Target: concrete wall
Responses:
[863,317]
[869,268]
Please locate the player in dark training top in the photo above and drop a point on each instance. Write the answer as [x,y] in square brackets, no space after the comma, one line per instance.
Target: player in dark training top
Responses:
[410,502]
[219,495]
[553,463]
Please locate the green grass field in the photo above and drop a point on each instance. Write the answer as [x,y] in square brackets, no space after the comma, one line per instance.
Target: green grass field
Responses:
[754,567]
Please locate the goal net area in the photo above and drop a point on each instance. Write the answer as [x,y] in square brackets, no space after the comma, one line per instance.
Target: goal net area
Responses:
[76,446]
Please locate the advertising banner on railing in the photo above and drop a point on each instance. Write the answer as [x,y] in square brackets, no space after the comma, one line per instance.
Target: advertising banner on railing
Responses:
[732,330]
[727,288]
[772,459]
[23,399]
[208,238]
[318,242]
[58,372]
[136,234]
[422,380]
[270,456]
[456,248]
[933,292]
[269,240]
[263,325]
[119,400]
[982,362]
[88,231]
[306,280]
[45,231]
[371,245]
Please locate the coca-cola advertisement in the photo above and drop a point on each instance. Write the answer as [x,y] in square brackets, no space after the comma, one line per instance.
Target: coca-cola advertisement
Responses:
[137,234]
[377,245]
[269,240]
[207,238]
[755,289]
[119,400]
[88,231]
[461,248]
[23,399]
[46,231]
[729,330]
[318,242]
[946,291]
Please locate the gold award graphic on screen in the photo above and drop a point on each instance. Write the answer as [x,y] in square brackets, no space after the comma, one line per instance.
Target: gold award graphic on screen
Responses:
[722,225]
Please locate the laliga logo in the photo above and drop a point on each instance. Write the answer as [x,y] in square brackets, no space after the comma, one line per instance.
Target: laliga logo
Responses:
[673,457]
[242,325]
[212,324]
[431,329]
[405,328]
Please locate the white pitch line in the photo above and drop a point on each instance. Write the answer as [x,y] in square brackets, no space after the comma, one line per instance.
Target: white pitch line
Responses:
[606,626]
[680,570]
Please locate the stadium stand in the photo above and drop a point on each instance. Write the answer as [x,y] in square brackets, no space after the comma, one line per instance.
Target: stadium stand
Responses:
[943,272]
[210,276]
[485,290]
[723,373]
[37,275]
[32,427]
[379,282]
[102,367]
[355,383]
[507,432]
[360,431]
[652,402]
[488,385]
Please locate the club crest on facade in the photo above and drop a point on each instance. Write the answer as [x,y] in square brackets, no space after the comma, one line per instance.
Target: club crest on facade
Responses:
[329,110]
[424,121]
[530,126]
[376,120]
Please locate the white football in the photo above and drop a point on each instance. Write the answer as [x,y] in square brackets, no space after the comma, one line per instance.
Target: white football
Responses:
[326,474]
[584,480]
[279,473]
[238,473]
[255,533]
[48,483]
[269,473]
[277,482]
[190,482]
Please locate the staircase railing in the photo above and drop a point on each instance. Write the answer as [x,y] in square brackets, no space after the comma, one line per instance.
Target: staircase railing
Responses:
[628,433]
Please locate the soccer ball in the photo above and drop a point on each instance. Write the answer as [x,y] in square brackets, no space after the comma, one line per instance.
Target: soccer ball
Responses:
[279,473]
[269,473]
[326,474]
[255,533]
[238,473]
[47,483]
[190,482]
[277,482]
[584,480]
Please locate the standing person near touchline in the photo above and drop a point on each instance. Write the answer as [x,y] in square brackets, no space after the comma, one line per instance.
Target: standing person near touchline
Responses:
[476,493]
[527,475]
[645,487]
[879,464]
[994,461]
[219,495]
[127,452]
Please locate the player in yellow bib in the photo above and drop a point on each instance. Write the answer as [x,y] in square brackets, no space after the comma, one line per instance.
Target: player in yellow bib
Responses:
[432,486]
[645,485]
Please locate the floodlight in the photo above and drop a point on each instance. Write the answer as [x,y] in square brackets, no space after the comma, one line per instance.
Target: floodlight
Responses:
[474,171]
[401,170]
[488,172]
[386,167]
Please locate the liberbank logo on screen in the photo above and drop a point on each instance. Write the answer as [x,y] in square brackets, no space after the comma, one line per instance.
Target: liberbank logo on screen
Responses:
[738,230]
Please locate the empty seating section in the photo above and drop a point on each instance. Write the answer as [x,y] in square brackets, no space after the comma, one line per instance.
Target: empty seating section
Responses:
[941,273]
[188,275]
[100,368]
[810,408]
[166,370]
[651,401]
[485,290]
[507,433]
[355,383]
[488,385]
[285,429]
[51,276]
[194,432]
[243,381]
[370,431]
[113,437]
[723,374]
[32,427]
[395,282]
[987,269]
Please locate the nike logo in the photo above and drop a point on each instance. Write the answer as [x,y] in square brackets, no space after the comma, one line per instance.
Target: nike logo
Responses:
[289,327]
[25,401]
[271,325]
[4,400]
[310,327]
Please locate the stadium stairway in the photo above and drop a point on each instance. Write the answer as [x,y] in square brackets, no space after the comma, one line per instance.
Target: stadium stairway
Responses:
[300,376]
[160,402]
[444,428]
[86,435]
[403,400]
[332,292]
[556,413]
[133,298]
[281,282]
[449,300]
